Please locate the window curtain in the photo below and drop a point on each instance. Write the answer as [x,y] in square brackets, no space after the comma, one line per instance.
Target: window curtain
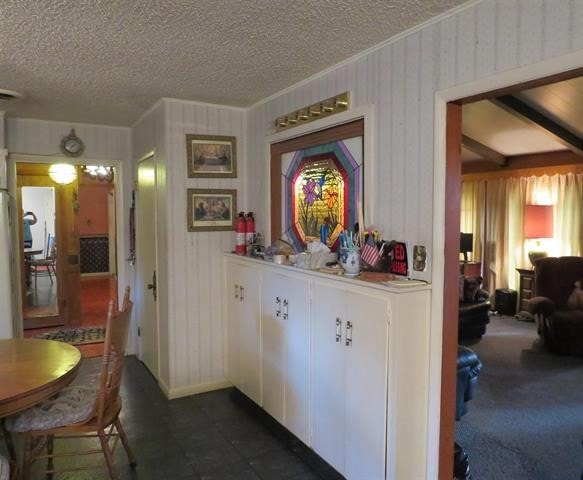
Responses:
[504,246]
[503,251]
[473,209]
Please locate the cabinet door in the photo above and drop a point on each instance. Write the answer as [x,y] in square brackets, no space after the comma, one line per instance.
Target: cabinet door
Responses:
[296,323]
[328,387]
[272,344]
[233,281]
[366,386]
[249,335]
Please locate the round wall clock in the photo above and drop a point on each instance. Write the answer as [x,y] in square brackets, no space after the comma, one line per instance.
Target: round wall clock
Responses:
[72,145]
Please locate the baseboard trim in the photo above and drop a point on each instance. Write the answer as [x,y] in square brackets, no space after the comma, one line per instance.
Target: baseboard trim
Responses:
[177,392]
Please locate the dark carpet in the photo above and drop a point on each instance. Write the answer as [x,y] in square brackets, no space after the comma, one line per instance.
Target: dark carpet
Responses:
[526,419]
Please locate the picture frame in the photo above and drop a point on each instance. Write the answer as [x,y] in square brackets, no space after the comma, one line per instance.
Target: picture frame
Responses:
[211,209]
[211,156]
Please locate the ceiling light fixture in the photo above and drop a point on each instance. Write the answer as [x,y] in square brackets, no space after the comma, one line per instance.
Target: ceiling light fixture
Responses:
[99,172]
[7,95]
[62,173]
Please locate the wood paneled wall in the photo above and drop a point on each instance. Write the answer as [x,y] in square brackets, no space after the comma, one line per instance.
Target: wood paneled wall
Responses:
[42,138]
[149,135]
[401,78]
[195,258]
[191,320]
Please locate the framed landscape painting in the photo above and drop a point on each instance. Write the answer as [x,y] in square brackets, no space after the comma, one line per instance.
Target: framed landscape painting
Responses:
[211,156]
[211,209]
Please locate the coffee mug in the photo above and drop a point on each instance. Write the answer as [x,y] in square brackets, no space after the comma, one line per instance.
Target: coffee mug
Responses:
[349,259]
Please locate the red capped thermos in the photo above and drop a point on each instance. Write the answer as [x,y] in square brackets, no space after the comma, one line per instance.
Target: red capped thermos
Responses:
[240,227]
[249,230]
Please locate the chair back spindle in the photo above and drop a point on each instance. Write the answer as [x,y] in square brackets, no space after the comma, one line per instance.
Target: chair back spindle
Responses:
[116,335]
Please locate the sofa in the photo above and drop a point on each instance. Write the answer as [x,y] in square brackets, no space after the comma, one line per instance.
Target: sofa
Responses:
[474,309]
[559,324]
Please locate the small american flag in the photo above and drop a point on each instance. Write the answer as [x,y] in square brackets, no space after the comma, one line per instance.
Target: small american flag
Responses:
[369,253]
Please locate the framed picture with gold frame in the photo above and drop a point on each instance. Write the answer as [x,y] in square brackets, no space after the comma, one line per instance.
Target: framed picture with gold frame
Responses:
[211,156]
[211,209]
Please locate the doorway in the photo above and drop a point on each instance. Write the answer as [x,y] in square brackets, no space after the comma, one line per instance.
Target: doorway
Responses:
[69,256]
[49,249]
[453,172]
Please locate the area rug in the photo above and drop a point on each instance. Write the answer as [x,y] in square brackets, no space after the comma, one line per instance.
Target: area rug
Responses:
[76,336]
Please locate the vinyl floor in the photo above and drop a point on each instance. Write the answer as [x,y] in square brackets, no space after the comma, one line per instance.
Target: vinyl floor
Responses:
[218,435]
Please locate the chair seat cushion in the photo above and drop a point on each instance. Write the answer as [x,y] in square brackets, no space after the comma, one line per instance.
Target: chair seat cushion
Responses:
[4,468]
[71,405]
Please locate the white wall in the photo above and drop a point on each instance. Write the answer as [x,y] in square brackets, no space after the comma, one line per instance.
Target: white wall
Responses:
[401,79]
[41,137]
[189,263]
[39,141]
[195,258]
[149,136]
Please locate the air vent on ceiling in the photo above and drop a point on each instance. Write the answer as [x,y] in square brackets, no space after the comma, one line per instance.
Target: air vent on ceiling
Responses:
[7,95]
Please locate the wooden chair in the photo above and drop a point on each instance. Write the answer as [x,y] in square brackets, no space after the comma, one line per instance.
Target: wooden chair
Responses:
[79,412]
[45,265]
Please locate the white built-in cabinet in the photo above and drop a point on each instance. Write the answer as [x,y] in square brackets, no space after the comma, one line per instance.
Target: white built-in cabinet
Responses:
[341,363]
[243,323]
[350,336]
[285,352]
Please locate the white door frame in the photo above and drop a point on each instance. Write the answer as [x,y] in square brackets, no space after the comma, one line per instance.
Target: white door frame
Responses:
[123,276]
[516,76]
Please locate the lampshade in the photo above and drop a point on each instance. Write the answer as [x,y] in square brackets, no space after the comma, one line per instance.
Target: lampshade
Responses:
[538,221]
[62,173]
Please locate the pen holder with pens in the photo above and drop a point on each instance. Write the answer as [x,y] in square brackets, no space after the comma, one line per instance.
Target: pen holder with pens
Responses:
[349,259]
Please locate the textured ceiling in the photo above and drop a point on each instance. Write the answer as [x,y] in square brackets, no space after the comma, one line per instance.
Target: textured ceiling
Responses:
[107,61]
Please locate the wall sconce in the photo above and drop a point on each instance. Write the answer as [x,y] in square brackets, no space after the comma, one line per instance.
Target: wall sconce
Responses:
[303,115]
[281,122]
[327,107]
[309,113]
[62,173]
[315,111]
[340,103]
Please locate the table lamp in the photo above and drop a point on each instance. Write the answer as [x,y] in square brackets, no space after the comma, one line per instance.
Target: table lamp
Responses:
[538,224]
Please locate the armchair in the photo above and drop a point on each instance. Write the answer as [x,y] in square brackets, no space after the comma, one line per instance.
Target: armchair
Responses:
[560,327]
[474,309]
[468,370]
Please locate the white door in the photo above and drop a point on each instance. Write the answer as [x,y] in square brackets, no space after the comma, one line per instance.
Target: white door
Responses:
[366,386]
[146,263]
[272,346]
[250,363]
[296,323]
[328,387]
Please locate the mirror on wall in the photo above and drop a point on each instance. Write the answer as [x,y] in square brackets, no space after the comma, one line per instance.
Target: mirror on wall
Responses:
[40,252]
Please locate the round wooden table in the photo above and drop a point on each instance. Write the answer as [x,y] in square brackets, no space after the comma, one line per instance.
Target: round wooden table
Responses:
[32,370]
